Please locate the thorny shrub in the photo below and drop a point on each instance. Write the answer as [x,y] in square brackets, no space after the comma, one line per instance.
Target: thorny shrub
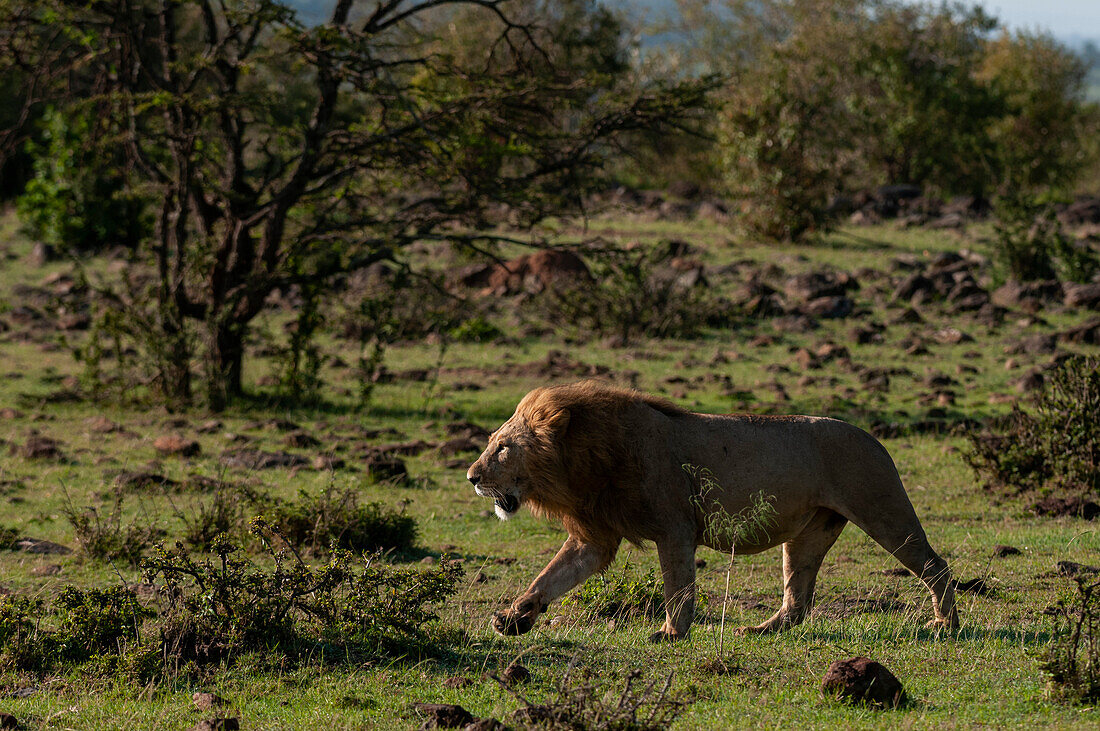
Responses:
[1030,243]
[1054,447]
[334,517]
[106,536]
[638,294]
[217,609]
[598,706]
[1073,659]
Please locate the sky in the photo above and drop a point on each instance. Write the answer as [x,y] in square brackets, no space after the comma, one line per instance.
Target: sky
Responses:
[1066,19]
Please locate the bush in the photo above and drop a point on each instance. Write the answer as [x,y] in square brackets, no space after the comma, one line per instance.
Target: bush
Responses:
[107,537]
[77,201]
[622,595]
[1031,245]
[334,518]
[217,609]
[1073,659]
[638,294]
[1054,447]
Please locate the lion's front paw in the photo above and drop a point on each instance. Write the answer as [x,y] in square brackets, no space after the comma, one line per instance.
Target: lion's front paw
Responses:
[950,624]
[509,622]
[662,636]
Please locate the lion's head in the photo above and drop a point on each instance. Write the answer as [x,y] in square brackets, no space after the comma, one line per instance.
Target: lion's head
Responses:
[520,464]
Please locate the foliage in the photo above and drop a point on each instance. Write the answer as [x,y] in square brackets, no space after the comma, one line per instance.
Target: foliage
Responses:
[79,199]
[830,96]
[1055,446]
[285,155]
[108,537]
[585,703]
[1073,658]
[1030,244]
[218,608]
[335,518]
[625,594]
[637,293]
[89,624]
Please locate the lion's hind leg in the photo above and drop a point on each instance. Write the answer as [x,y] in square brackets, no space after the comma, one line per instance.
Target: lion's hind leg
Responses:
[802,557]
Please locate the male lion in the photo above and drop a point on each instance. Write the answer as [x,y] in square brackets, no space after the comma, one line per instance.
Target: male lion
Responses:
[614,464]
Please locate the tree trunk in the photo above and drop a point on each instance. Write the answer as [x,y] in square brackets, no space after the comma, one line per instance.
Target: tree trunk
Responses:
[223,364]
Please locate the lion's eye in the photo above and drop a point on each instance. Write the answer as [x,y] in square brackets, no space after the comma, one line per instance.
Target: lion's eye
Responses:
[502,450]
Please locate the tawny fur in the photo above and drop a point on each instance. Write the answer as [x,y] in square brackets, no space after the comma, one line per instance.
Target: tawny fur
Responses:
[616,465]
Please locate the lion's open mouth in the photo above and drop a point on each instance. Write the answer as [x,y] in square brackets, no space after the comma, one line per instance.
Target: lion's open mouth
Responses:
[507,503]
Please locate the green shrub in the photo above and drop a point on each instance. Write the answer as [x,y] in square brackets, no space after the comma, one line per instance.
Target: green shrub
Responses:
[335,518]
[1073,659]
[1053,447]
[78,200]
[624,594]
[106,536]
[1030,244]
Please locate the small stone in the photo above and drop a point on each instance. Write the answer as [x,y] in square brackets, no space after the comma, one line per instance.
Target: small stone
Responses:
[46,569]
[37,546]
[457,682]
[485,724]
[428,561]
[1000,551]
[860,680]
[300,440]
[328,462]
[174,444]
[39,447]
[515,674]
[443,715]
[218,724]
[207,701]
[8,721]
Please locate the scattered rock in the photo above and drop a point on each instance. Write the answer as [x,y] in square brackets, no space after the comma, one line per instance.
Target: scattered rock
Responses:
[8,721]
[1087,334]
[974,586]
[39,447]
[1001,551]
[460,445]
[383,467]
[328,462]
[1041,344]
[1082,295]
[819,285]
[1033,380]
[46,569]
[176,445]
[833,308]
[457,682]
[42,547]
[7,413]
[443,715]
[1073,506]
[1071,569]
[255,459]
[1028,295]
[860,680]
[515,674]
[218,724]
[300,440]
[208,701]
[485,724]
[951,336]
[143,480]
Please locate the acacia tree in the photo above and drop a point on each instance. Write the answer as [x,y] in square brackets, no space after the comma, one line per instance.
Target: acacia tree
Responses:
[283,155]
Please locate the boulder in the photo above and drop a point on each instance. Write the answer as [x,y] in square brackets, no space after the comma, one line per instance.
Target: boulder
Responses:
[862,681]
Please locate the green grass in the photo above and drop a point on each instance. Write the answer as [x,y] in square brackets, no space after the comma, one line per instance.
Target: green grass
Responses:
[988,675]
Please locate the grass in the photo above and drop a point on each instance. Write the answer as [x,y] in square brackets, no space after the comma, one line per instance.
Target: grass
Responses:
[986,676]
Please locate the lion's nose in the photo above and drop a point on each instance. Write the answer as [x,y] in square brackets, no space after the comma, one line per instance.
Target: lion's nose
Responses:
[473,476]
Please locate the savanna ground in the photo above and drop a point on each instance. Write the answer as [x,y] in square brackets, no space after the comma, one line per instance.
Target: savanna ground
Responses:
[891,378]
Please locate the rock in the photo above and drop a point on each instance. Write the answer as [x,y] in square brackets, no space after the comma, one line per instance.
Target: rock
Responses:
[328,462]
[860,680]
[806,360]
[1083,211]
[1040,344]
[1071,569]
[1001,551]
[39,447]
[176,445]
[914,284]
[833,307]
[485,724]
[515,674]
[974,586]
[383,467]
[255,459]
[816,285]
[218,724]
[1082,295]
[41,547]
[1033,380]
[209,427]
[46,569]
[1087,334]
[8,721]
[460,445]
[1073,506]
[41,254]
[207,701]
[300,440]
[457,682]
[1018,294]
[443,715]
[7,413]
[535,272]
[951,336]
[102,425]
[143,480]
